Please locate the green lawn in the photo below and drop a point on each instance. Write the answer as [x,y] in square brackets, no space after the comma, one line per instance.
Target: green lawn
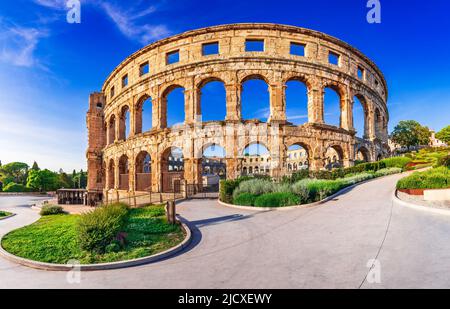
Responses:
[53,239]
[4,213]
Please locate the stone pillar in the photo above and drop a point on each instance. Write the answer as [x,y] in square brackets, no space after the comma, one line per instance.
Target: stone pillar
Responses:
[193,170]
[190,103]
[156,173]
[277,102]
[116,174]
[136,118]
[315,103]
[117,127]
[131,174]
[346,112]
[233,96]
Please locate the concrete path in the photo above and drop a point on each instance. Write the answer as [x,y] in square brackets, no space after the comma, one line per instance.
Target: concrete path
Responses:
[328,246]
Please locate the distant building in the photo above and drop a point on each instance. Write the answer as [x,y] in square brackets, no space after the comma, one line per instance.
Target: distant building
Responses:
[260,164]
[434,142]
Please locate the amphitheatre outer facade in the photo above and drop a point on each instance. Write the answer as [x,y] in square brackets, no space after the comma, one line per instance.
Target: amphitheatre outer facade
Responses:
[116,160]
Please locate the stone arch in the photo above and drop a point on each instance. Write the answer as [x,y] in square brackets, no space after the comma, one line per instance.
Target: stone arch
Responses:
[165,102]
[213,162]
[366,114]
[140,120]
[124,122]
[378,122]
[261,112]
[204,110]
[334,156]
[341,92]
[296,112]
[256,160]
[172,169]
[362,154]
[123,173]
[143,170]
[295,155]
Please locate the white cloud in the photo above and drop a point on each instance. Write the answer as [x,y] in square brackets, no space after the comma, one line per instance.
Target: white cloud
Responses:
[18,45]
[53,4]
[127,21]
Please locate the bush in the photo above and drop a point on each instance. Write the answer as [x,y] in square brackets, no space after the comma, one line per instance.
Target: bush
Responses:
[300,188]
[97,229]
[244,199]
[320,189]
[227,187]
[48,210]
[388,171]
[15,187]
[255,187]
[444,161]
[399,162]
[436,178]
[277,199]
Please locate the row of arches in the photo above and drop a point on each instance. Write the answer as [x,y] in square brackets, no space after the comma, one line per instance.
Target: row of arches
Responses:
[255,103]
[255,160]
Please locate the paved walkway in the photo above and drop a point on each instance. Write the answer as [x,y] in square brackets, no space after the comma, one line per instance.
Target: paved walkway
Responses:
[327,246]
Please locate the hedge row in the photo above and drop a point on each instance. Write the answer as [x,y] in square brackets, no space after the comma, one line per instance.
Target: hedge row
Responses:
[436,178]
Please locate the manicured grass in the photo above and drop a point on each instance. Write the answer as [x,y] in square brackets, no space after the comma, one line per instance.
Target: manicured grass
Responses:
[4,214]
[53,239]
[435,178]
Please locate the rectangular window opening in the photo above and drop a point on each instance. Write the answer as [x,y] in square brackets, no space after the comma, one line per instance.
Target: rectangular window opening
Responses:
[144,68]
[125,81]
[360,72]
[333,58]
[173,57]
[254,45]
[210,49]
[298,49]
[112,92]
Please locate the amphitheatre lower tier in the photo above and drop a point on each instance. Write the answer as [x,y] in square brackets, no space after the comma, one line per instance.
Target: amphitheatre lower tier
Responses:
[125,156]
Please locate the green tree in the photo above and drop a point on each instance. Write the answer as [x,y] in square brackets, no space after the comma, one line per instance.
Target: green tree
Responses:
[444,134]
[15,171]
[43,180]
[409,133]
[35,166]
[65,181]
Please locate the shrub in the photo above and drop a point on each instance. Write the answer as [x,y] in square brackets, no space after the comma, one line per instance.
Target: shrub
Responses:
[444,161]
[244,199]
[283,187]
[320,189]
[301,190]
[277,199]
[97,229]
[436,178]
[255,187]
[15,187]
[227,187]
[399,162]
[388,171]
[48,210]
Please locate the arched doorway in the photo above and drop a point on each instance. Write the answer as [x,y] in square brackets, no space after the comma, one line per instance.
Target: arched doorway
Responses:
[123,173]
[334,157]
[296,101]
[255,99]
[143,170]
[212,100]
[297,157]
[213,161]
[362,155]
[172,168]
[256,160]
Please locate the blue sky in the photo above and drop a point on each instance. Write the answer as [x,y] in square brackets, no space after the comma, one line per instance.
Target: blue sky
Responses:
[48,67]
